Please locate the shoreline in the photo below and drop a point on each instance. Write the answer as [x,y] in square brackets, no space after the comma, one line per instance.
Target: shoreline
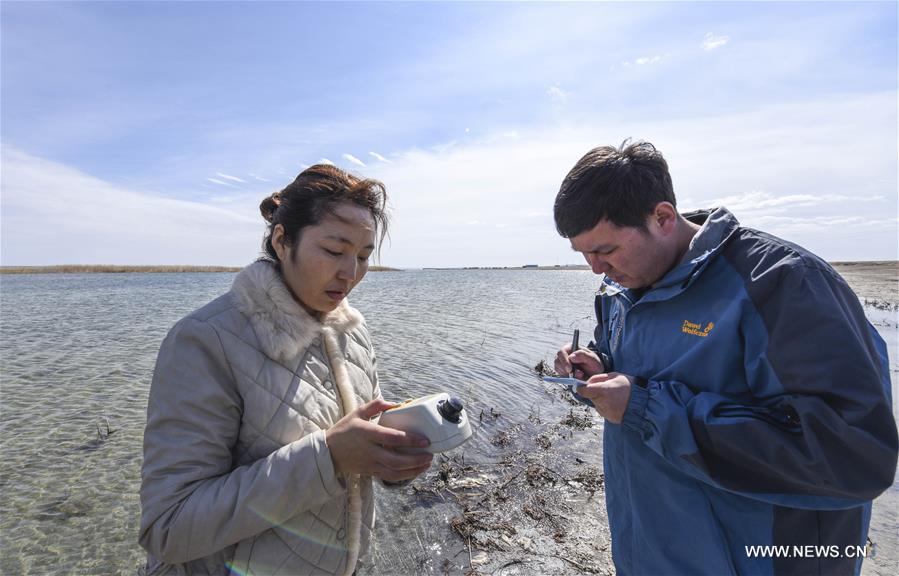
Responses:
[887,270]
[128,269]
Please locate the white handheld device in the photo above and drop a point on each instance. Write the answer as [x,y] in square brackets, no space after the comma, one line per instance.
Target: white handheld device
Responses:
[440,418]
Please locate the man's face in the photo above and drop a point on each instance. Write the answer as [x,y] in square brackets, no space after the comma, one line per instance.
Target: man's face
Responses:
[632,257]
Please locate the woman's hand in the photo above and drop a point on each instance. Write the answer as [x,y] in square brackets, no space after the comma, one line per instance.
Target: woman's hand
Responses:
[359,446]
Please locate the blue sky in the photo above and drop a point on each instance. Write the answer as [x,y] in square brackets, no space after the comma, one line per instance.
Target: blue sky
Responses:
[147,133]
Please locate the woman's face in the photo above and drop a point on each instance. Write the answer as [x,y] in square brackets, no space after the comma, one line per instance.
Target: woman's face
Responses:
[331,257]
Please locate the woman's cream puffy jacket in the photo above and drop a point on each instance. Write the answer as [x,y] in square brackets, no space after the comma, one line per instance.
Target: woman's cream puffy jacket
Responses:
[237,477]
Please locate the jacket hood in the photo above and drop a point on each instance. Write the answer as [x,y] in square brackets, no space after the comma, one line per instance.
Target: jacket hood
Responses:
[284,328]
[717,226]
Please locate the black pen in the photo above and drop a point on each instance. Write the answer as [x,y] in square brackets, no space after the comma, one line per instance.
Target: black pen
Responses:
[574,346]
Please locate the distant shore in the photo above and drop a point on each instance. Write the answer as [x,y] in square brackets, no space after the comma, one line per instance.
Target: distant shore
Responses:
[875,283]
[525,267]
[122,269]
[887,270]
[115,269]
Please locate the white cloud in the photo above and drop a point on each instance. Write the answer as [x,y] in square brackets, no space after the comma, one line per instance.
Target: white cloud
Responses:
[642,61]
[790,163]
[712,42]
[381,158]
[90,221]
[765,201]
[220,182]
[229,177]
[353,160]
[817,224]
[492,56]
[648,60]
[784,168]
[260,178]
[556,93]
[322,161]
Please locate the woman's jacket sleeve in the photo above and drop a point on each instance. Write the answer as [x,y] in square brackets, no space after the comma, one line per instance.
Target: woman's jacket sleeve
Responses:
[193,503]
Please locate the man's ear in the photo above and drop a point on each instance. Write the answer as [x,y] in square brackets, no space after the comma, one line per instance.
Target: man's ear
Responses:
[664,216]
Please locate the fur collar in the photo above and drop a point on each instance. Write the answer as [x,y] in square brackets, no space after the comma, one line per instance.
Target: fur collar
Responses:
[283,327]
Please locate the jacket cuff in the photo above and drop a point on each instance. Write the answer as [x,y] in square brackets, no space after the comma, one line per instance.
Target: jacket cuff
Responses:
[332,484]
[635,413]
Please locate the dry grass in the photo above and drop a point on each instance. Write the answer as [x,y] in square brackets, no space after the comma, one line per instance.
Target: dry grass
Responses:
[115,269]
[108,268]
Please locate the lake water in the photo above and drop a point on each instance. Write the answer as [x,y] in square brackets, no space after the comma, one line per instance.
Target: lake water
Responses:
[78,352]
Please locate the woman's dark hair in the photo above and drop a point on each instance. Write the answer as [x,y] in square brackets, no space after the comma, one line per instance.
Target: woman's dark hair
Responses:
[315,193]
[621,185]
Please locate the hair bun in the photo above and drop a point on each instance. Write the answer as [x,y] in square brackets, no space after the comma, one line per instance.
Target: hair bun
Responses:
[269,205]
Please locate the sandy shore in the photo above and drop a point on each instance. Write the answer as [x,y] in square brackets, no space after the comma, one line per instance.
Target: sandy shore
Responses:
[876,282]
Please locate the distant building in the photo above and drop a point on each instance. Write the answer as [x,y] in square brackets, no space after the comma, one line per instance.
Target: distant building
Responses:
[530,266]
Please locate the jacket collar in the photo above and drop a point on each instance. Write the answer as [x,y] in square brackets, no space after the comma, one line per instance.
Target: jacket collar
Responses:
[283,327]
[717,226]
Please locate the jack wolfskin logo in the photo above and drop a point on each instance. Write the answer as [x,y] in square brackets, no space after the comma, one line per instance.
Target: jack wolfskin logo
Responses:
[696,329]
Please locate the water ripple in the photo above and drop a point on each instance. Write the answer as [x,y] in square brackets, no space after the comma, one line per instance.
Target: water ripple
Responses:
[78,351]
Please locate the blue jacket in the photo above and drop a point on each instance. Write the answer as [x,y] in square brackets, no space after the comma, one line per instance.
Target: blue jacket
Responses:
[762,414]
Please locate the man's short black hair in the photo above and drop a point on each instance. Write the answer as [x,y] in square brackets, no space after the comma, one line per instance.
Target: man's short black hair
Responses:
[621,185]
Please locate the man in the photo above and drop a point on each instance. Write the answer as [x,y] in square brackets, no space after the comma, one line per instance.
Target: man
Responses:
[746,397]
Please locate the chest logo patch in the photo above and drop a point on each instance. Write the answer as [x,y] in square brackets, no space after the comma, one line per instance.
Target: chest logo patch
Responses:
[696,328]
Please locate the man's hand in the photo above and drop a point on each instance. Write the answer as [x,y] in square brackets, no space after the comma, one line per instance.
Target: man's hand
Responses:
[582,364]
[358,446]
[609,393]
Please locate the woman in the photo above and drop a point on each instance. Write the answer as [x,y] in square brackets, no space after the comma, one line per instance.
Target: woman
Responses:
[258,450]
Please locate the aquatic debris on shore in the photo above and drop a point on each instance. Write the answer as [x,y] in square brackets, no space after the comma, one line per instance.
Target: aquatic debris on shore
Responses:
[501,438]
[526,507]
[493,414]
[539,475]
[540,528]
[543,441]
[580,421]
[544,369]
[101,438]
[880,304]
[591,479]
[62,508]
